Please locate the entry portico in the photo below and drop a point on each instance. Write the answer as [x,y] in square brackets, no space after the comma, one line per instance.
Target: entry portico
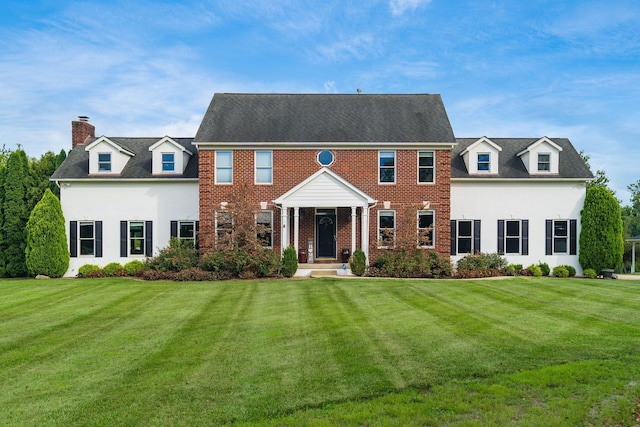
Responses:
[325,191]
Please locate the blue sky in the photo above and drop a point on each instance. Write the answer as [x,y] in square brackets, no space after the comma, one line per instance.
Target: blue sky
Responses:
[504,68]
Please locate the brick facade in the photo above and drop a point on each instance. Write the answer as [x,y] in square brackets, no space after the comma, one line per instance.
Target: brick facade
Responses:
[358,167]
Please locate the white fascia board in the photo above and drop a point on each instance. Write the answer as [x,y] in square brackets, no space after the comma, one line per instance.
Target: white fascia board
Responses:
[538,142]
[111,143]
[533,179]
[483,140]
[159,179]
[172,142]
[310,145]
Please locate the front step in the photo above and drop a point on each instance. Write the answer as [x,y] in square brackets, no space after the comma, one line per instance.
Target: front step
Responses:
[322,270]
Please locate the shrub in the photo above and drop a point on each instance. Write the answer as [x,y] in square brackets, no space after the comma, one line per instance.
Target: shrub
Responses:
[112,269]
[571,270]
[439,266]
[243,263]
[194,274]
[414,263]
[544,267]
[134,267]
[179,255]
[560,271]
[358,262]
[289,262]
[510,270]
[535,270]
[87,269]
[480,265]
[590,273]
[46,250]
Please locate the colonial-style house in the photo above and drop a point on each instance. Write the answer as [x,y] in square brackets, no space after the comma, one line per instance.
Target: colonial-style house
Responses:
[326,174]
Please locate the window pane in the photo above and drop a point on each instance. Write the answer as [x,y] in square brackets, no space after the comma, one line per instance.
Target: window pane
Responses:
[425,219]
[224,175]
[513,246]
[387,175]
[483,157]
[387,158]
[86,230]
[560,228]
[223,159]
[426,158]
[464,228]
[325,158]
[104,157]
[426,175]
[264,175]
[136,229]
[186,230]
[167,157]
[263,159]
[560,244]
[86,247]
[513,228]
[464,245]
[137,246]
[386,220]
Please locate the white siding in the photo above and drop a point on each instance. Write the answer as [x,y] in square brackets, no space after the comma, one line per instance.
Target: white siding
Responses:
[112,202]
[518,200]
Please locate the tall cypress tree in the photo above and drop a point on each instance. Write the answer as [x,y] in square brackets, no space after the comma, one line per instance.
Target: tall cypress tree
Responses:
[16,214]
[46,251]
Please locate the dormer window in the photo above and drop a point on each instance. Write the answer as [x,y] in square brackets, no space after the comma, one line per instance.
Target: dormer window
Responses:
[544,162]
[484,162]
[104,162]
[168,162]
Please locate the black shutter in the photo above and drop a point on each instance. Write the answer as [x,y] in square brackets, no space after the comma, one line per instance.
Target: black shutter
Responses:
[476,236]
[573,237]
[525,237]
[73,238]
[148,238]
[453,237]
[548,237]
[98,236]
[174,228]
[123,238]
[501,236]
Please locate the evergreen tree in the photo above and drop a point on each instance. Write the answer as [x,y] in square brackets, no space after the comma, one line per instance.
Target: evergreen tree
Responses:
[46,252]
[601,242]
[15,214]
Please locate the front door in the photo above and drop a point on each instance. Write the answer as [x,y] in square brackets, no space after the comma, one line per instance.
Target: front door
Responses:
[325,233]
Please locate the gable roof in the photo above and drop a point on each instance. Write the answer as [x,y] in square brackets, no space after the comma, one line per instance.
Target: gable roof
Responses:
[294,118]
[76,165]
[118,147]
[571,164]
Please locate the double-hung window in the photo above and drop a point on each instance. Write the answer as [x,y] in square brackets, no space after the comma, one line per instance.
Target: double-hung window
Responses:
[168,162]
[387,167]
[224,167]
[386,228]
[264,228]
[425,229]
[264,167]
[544,162]
[85,238]
[224,228]
[136,238]
[513,237]
[104,162]
[484,162]
[426,169]
[185,231]
[465,236]
[561,236]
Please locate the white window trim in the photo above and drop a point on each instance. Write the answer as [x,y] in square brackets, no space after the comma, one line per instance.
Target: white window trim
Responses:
[110,163]
[143,238]
[217,215]
[538,163]
[195,233]
[432,167]
[80,239]
[215,167]
[554,236]
[255,167]
[488,162]
[395,167]
[333,158]
[433,228]
[395,228]
[458,236]
[270,212]
[172,162]
[506,236]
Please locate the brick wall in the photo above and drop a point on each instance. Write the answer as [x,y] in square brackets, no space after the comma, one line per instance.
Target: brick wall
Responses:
[359,167]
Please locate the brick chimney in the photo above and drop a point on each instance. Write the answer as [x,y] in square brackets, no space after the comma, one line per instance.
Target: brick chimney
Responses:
[81,130]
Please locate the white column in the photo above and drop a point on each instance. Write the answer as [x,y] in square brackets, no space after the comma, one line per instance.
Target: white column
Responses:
[284,230]
[365,231]
[353,229]
[296,227]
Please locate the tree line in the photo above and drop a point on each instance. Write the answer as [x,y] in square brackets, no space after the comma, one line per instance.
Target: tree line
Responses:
[23,183]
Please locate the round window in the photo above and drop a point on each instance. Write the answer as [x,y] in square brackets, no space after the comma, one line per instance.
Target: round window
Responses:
[325,158]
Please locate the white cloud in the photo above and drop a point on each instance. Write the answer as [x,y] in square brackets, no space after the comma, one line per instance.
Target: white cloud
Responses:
[398,7]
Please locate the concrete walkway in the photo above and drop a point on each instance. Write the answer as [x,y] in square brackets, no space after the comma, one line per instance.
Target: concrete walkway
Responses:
[628,276]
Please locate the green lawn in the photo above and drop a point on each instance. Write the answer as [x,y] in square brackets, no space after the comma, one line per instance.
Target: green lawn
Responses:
[523,351]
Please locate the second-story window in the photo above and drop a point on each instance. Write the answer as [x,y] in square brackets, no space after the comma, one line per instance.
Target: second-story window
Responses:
[425,167]
[387,162]
[484,162]
[264,167]
[544,162]
[104,162]
[168,162]
[224,167]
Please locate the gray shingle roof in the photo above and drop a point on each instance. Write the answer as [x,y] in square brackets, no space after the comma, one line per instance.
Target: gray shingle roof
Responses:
[76,165]
[325,118]
[511,166]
